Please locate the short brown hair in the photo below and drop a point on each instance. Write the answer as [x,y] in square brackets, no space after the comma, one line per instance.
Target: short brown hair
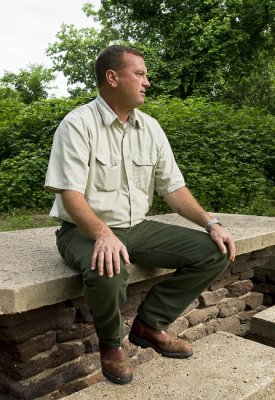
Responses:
[111,58]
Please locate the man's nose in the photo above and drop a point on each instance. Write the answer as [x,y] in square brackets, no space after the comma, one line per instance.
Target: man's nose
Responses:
[146,83]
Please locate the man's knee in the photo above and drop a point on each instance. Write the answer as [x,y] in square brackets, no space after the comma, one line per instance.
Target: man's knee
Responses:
[104,283]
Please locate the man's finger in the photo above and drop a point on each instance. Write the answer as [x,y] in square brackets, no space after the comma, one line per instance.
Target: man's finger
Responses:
[232,251]
[116,262]
[100,263]
[94,260]
[109,264]
[221,246]
[125,255]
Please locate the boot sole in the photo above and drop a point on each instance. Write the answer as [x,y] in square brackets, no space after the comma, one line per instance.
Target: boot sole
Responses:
[145,344]
[116,379]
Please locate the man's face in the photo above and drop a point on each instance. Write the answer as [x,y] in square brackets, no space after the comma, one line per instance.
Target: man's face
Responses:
[132,81]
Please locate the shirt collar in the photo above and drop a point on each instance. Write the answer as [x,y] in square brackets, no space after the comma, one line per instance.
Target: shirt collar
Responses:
[108,115]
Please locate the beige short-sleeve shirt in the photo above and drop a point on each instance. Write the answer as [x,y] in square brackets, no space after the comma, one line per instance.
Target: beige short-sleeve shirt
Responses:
[115,166]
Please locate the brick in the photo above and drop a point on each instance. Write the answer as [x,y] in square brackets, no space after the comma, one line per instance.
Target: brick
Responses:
[11,320]
[228,307]
[240,264]
[245,316]
[230,324]
[239,288]
[143,356]
[51,396]
[191,307]
[58,355]
[270,274]
[6,396]
[48,381]
[24,351]
[265,288]
[75,331]
[83,314]
[196,332]
[224,282]
[211,298]
[244,329]
[252,299]
[91,343]
[60,317]
[247,275]
[81,383]
[202,314]
[131,305]
[259,275]
[178,326]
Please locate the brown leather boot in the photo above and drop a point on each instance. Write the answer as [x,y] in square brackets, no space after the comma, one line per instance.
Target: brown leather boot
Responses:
[115,364]
[162,342]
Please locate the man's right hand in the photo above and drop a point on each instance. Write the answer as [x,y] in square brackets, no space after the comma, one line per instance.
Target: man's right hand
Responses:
[108,248]
[107,251]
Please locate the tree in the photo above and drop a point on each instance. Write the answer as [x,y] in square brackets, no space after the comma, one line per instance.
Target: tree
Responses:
[202,43]
[192,47]
[30,84]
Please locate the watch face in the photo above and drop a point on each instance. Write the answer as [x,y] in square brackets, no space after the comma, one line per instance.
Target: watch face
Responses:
[211,222]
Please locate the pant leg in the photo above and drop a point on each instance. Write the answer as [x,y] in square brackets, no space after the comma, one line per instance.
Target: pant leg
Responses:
[102,294]
[196,257]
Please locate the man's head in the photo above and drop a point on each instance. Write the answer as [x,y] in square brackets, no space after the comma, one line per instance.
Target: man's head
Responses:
[112,58]
[122,78]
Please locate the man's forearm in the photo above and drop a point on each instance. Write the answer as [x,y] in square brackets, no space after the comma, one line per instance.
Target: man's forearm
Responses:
[184,203]
[79,210]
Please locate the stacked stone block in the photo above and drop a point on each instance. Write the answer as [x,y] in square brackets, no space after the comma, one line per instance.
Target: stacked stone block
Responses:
[51,352]
[264,274]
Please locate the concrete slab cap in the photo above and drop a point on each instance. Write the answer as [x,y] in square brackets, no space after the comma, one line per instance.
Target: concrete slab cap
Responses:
[263,324]
[223,367]
[32,273]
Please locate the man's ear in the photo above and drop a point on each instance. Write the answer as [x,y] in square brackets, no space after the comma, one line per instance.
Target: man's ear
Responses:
[112,77]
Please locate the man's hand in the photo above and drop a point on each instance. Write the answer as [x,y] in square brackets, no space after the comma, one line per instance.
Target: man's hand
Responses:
[108,248]
[107,252]
[221,236]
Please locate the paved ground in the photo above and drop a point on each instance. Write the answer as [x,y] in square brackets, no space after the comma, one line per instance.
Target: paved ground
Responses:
[223,367]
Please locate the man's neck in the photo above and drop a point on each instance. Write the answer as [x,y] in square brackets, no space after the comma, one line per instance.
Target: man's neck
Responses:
[117,108]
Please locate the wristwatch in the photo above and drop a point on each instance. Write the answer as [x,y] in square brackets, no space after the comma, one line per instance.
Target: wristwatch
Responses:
[211,222]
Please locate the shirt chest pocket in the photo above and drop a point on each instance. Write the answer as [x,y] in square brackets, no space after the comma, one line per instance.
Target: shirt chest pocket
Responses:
[143,168]
[108,172]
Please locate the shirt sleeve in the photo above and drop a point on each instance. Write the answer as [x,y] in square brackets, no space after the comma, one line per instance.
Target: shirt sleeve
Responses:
[168,176]
[68,167]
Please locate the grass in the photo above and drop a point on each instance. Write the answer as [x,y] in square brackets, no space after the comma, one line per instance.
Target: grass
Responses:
[22,219]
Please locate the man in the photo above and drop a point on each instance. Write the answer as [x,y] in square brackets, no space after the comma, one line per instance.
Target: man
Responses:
[106,161]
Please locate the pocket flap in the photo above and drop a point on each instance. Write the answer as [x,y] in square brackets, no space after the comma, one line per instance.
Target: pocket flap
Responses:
[110,160]
[144,159]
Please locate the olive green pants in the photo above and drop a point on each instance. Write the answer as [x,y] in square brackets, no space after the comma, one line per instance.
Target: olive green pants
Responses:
[192,253]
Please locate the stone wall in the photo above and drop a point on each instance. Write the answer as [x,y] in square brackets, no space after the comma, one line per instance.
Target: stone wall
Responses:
[51,352]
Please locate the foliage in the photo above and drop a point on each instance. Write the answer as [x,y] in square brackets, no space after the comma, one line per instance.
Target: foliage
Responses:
[74,54]
[25,127]
[222,50]
[25,143]
[203,42]
[226,154]
[30,84]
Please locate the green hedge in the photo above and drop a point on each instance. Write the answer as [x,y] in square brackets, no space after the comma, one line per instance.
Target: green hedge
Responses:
[226,154]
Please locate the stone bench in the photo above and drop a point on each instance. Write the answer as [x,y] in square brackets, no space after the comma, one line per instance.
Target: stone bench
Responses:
[33,274]
[48,345]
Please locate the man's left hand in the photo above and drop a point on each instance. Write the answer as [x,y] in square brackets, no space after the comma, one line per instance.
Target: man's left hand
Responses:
[222,237]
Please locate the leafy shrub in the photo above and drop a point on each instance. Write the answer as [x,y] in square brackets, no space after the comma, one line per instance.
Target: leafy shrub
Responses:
[226,154]
[21,181]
